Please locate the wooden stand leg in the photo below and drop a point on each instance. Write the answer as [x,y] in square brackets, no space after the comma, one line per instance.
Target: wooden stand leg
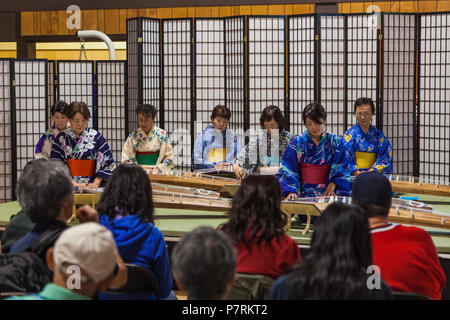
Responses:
[308,224]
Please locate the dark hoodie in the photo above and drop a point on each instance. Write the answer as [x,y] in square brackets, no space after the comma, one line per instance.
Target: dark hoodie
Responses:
[143,244]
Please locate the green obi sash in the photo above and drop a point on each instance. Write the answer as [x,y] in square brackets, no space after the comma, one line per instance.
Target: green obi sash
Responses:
[147,157]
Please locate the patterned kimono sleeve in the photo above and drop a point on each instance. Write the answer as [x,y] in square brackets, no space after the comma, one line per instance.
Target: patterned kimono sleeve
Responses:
[198,162]
[348,138]
[247,157]
[384,157]
[128,154]
[58,148]
[43,147]
[339,173]
[105,160]
[167,163]
[289,173]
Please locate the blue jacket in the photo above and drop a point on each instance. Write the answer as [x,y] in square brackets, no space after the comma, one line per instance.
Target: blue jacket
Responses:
[143,244]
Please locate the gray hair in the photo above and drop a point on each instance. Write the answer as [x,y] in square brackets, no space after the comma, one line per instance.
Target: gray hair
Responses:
[204,261]
[42,188]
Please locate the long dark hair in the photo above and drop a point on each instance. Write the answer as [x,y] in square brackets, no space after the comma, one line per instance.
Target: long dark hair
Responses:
[255,211]
[336,267]
[128,191]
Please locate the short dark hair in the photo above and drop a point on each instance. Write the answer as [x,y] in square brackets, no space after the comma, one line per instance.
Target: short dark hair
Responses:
[204,261]
[80,107]
[128,191]
[42,189]
[362,101]
[316,112]
[372,210]
[221,111]
[272,112]
[59,106]
[147,110]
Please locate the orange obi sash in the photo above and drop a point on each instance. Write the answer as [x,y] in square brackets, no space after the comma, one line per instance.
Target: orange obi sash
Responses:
[315,173]
[81,168]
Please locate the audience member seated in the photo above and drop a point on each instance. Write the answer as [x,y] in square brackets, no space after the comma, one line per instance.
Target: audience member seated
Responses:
[45,193]
[83,261]
[126,208]
[337,266]
[406,255]
[256,226]
[204,263]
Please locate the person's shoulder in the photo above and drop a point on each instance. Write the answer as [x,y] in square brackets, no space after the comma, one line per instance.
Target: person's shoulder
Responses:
[280,289]
[414,232]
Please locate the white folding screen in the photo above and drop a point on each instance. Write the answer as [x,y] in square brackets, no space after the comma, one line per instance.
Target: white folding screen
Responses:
[151,69]
[399,88]
[111,104]
[177,39]
[434,106]
[301,68]
[362,35]
[234,70]
[210,67]
[31,107]
[134,67]
[6,160]
[266,63]
[51,90]
[332,71]
[76,83]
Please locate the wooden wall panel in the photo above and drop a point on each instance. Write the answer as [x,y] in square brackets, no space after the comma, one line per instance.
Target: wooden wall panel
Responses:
[277,9]
[46,25]
[54,22]
[164,13]
[260,10]
[112,21]
[36,22]
[89,20]
[62,23]
[122,21]
[409,6]
[427,6]
[26,23]
[443,5]
[101,20]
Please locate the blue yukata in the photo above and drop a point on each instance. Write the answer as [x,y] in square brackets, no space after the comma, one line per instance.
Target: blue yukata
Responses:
[213,147]
[91,145]
[44,145]
[368,150]
[307,169]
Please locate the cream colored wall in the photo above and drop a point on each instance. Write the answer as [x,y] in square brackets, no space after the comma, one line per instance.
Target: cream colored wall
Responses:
[8,50]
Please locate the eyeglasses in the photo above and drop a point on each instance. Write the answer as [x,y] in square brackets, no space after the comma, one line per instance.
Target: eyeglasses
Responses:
[365,114]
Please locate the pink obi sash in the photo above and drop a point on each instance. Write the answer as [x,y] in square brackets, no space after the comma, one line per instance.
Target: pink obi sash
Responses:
[315,173]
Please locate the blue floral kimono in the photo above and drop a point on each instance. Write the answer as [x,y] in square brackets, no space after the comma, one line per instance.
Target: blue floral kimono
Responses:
[371,150]
[91,145]
[213,147]
[302,150]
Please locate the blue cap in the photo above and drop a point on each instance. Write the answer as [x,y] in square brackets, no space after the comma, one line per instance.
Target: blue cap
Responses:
[372,188]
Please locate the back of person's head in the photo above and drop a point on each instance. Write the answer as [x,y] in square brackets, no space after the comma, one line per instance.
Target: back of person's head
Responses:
[362,101]
[255,211]
[89,247]
[147,110]
[340,254]
[128,191]
[42,189]
[316,112]
[221,111]
[372,191]
[78,107]
[204,263]
[272,112]
[59,106]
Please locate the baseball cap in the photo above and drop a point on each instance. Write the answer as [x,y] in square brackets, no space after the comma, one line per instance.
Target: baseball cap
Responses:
[372,188]
[90,246]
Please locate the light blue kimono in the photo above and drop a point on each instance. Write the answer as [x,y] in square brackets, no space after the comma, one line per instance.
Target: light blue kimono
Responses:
[211,140]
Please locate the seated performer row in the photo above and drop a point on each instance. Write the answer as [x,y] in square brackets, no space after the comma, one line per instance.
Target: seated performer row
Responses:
[314,163]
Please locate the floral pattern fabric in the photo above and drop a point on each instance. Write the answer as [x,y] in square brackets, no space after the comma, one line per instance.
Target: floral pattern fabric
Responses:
[157,140]
[302,149]
[91,145]
[374,141]
[257,153]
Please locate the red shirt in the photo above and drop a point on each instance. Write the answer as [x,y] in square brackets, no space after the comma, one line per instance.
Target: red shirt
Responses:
[268,258]
[408,260]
